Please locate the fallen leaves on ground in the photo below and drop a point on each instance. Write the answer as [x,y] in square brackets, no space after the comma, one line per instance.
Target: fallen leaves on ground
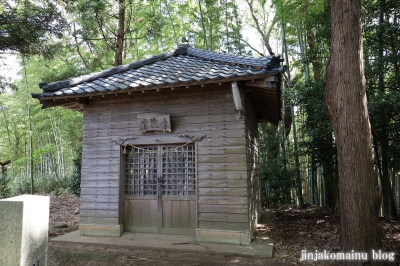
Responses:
[292,229]
[314,228]
[63,209]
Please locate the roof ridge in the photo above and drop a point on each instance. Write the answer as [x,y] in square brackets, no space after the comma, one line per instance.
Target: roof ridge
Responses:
[268,61]
[104,73]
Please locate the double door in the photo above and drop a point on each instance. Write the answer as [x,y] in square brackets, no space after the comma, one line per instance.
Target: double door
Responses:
[160,189]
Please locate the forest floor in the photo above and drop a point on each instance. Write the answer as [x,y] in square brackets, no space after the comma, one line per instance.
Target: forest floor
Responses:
[292,230]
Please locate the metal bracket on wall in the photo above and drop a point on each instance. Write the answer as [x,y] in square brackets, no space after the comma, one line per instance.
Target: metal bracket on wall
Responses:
[121,141]
[192,137]
[158,139]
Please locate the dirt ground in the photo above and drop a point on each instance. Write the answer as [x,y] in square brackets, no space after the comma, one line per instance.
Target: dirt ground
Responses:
[292,230]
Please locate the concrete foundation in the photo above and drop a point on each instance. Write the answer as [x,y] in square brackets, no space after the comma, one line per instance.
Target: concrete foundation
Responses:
[262,248]
[100,230]
[222,237]
[24,224]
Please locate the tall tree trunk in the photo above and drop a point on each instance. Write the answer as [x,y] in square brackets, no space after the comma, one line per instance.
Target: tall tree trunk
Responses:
[346,103]
[303,52]
[30,167]
[316,65]
[296,160]
[398,191]
[283,138]
[8,137]
[121,33]
[388,203]
[30,150]
[383,121]
[227,27]
[299,184]
[172,23]
[60,164]
[314,182]
[203,25]
[396,66]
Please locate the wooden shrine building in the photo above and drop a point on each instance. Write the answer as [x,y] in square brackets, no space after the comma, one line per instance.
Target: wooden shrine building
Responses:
[170,143]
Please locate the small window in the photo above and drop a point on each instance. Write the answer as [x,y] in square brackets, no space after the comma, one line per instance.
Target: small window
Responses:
[173,166]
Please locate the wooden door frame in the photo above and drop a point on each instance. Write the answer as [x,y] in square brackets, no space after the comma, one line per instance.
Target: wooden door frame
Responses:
[122,159]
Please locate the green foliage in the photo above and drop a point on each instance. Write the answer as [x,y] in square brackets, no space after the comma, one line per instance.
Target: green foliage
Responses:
[296,11]
[150,28]
[278,178]
[26,26]
[383,76]
[61,70]
[5,186]
[94,28]
[74,182]
[219,26]
[279,182]
[316,133]
[43,185]
[56,132]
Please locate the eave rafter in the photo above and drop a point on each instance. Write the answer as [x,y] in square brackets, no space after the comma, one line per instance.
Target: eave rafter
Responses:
[78,101]
[269,82]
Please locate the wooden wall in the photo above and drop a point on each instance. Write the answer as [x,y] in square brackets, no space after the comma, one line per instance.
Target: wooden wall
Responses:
[225,157]
[253,164]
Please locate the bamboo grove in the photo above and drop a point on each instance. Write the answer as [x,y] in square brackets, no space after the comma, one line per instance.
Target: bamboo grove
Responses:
[299,162]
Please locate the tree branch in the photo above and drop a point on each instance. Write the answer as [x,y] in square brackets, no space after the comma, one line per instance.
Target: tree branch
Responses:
[79,51]
[265,37]
[254,49]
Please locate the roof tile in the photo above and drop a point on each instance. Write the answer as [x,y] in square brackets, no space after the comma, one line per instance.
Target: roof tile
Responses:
[184,65]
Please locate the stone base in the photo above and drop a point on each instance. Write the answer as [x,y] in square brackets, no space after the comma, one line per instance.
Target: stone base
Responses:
[100,230]
[24,226]
[223,237]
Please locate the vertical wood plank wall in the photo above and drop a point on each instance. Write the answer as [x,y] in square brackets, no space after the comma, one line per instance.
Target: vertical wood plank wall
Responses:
[226,158]
[253,165]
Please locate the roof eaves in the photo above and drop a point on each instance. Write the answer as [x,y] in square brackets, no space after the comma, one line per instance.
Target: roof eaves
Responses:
[139,86]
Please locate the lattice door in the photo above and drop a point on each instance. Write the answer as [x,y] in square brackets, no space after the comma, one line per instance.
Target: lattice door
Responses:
[160,189]
[141,171]
[179,172]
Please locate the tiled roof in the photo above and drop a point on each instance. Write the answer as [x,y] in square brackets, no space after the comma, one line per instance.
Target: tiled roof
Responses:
[184,66]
